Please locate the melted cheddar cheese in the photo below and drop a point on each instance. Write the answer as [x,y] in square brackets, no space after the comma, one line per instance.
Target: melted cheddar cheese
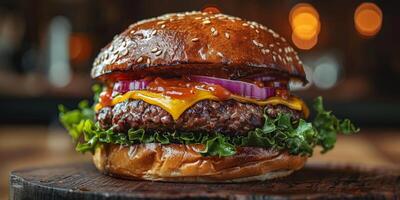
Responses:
[177,106]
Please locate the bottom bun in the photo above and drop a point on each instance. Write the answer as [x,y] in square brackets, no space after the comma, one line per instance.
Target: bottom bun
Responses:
[183,163]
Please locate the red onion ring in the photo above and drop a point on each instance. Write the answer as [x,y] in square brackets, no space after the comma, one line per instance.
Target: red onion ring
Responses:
[128,85]
[241,88]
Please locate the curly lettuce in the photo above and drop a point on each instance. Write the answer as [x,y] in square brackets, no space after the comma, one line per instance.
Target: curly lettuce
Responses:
[281,133]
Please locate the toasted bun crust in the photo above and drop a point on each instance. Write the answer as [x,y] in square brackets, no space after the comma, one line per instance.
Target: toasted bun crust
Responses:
[183,163]
[198,43]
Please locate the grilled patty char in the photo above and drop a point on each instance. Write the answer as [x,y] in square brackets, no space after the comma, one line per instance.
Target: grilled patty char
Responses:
[226,117]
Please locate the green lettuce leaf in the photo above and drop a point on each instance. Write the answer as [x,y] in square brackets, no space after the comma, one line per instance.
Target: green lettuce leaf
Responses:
[281,133]
[218,146]
[328,126]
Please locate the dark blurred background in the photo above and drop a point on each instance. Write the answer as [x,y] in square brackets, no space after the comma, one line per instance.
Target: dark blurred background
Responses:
[350,50]
[47,48]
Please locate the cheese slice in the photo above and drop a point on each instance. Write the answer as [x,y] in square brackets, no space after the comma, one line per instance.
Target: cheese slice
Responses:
[292,102]
[172,105]
[177,106]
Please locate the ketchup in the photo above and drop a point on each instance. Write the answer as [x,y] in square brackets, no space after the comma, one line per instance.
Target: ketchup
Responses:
[183,89]
[105,97]
[282,92]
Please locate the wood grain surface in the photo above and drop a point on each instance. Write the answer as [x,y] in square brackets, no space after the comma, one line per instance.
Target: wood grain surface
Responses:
[82,181]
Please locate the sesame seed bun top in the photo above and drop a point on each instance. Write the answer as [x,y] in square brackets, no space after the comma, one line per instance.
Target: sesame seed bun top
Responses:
[198,43]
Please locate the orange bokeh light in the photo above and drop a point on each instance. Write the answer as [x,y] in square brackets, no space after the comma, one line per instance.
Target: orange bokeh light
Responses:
[368,19]
[302,8]
[304,44]
[305,26]
[305,23]
[80,47]
[211,9]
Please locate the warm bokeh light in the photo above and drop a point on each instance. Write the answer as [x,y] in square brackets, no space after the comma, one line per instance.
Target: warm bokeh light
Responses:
[304,44]
[305,26]
[80,47]
[368,19]
[211,9]
[302,8]
[305,23]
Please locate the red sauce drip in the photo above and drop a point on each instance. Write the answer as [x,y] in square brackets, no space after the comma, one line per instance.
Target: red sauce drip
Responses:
[105,97]
[184,89]
[282,92]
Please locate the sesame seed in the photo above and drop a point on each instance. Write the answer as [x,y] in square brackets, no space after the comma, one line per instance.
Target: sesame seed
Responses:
[257,31]
[197,18]
[280,50]
[195,39]
[245,24]
[274,58]
[212,29]
[113,59]
[220,54]
[112,48]
[257,43]
[132,32]
[265,51]
[271,45]
[140,59]
[148,61]
[124,52]
[160,22]
[106,56]
[215,33]
[252,26]
[154,50]
[163,26]
[206,22]
[123,44]
[154,32]
[227,35]
[158,53]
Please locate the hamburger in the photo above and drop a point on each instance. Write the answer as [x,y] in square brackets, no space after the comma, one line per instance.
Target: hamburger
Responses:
[199,96]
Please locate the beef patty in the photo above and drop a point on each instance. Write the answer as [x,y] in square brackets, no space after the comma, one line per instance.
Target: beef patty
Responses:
[226,117]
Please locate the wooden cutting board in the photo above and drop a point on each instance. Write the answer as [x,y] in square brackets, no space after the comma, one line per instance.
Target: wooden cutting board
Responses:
[82,181]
